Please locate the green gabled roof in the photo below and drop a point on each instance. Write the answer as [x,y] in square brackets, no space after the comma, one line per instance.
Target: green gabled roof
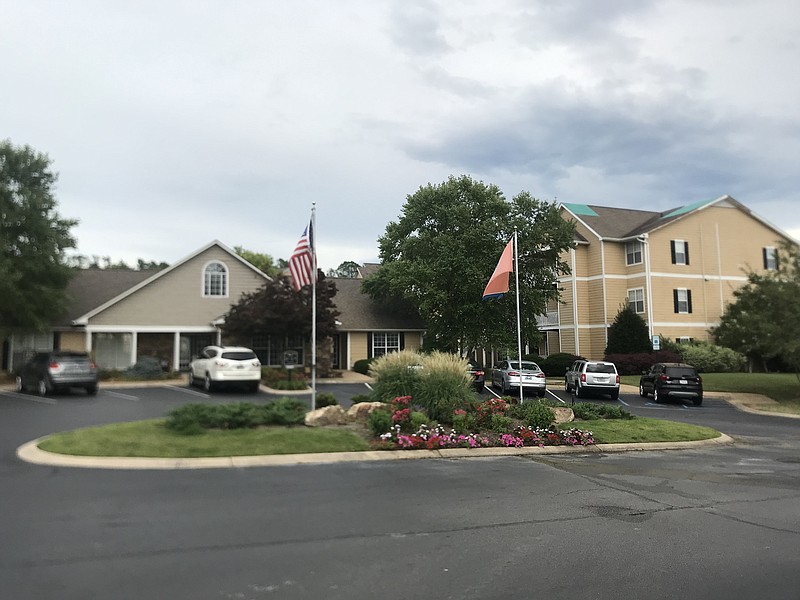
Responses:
[686,209]
[581,209]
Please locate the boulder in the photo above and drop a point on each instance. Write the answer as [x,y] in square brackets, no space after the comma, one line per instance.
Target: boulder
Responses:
[563,414]
[327,415]
[360,411]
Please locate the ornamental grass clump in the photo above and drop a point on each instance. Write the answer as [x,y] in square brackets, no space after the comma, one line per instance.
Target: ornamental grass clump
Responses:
[395,374]
[443,385]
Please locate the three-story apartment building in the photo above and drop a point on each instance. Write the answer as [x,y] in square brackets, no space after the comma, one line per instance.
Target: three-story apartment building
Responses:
[678,269]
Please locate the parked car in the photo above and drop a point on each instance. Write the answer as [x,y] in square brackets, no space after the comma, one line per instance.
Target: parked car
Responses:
[218,366]
[672,380]
[587,377]
[51,372]
[478,376]
[508,375]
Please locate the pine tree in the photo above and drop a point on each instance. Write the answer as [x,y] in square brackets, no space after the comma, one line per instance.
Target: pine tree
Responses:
[628,334]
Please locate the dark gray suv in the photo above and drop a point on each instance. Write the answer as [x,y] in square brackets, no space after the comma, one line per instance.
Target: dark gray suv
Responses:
[50,372]
[672,380]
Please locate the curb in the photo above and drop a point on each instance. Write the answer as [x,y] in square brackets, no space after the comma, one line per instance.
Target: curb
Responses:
[31,453]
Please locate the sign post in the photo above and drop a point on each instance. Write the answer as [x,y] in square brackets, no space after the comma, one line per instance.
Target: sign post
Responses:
[656,342]
[290,361]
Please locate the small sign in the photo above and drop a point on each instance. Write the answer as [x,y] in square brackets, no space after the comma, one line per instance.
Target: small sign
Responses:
[656,342]
[290,358]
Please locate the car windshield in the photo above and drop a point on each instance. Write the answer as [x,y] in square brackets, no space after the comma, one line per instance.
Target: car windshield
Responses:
[239,355]
[681,372]
[600,368]
[526,366]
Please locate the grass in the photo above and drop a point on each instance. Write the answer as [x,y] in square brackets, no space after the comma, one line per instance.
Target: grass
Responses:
[642,430]
[152,439]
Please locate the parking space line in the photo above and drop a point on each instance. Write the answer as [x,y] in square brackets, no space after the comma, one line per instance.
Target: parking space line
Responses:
[29,398]
[555,396]
[620,400]
[123,396]
[187,391]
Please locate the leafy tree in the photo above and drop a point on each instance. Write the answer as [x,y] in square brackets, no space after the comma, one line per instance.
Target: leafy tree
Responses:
[444,248]
[763,322]
[277,310]
[348,269]
[33,239]
[628,334]
[263,262]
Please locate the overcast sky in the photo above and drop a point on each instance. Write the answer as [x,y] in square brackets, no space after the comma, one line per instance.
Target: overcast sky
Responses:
[172,123]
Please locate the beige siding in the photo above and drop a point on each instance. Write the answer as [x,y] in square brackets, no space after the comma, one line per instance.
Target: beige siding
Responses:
[73,340]
[358,346]
[176,299]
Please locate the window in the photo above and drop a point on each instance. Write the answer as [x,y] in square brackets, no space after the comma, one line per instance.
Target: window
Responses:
[770,258]
[684,339]
[633,253]
[683,300]
[680,252]
[636,299]
[384,342]
[215,280]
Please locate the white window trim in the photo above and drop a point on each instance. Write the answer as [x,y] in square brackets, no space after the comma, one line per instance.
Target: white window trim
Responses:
[685,301]
[683,253]
[387,349]
[640,252]
[203,280]
[772,256]
[628,295]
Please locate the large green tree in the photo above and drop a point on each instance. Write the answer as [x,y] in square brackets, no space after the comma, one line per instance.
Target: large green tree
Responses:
[276,309]
[628,334]
[33,240]
[263,262]
[763,322]
[444,248]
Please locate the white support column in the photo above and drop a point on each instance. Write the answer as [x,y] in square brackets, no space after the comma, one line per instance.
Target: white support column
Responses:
[134,346]
[347,345]
[176,351]
[88,342]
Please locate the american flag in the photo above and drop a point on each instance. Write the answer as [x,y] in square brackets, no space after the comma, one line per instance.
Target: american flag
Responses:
[301,261]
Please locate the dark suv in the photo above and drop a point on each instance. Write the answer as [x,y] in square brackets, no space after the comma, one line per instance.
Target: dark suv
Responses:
[49,372]
[672,380]
[478,376]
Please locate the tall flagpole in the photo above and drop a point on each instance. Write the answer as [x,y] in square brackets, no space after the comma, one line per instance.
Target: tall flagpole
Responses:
[314,306]
[519,327]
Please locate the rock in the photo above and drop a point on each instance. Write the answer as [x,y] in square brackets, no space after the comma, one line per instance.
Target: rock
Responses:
[360,411]
[327,415]
[563,414]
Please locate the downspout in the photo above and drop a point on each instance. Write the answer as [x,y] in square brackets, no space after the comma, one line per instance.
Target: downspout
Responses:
[719,272]
[575,304]
[648,283]
[605,296]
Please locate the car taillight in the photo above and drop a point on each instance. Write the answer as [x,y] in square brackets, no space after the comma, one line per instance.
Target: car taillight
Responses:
[540,375]
[513,374]
[54,366]
[663,378]
[617,378]
[478,373]
[583,377]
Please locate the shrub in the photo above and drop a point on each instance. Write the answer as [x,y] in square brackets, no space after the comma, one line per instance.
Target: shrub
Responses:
[147,367]
[289,385]
[485,410]
[535,414]
[326,399]
[463,421]
[396,374]
[361,398]
[443,385]
[418,419]
[588,411]
[709,358]
[379,422]
[285,411]
[500,423]
[556,365]
[191,419]
[362,366]
[634,364]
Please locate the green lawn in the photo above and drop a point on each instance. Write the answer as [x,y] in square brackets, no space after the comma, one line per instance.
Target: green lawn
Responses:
[782,387]
[642,430]
[152,439]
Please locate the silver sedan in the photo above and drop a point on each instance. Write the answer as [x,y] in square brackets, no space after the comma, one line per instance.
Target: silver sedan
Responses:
[508,375]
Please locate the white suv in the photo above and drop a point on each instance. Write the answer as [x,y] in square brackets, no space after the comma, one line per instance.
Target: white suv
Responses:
[220,365]
[585,377]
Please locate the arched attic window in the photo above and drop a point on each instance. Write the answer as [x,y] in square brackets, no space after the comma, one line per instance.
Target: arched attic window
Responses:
[215,279]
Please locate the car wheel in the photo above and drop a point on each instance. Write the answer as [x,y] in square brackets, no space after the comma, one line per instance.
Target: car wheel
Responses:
[567,388]
[503,389]
[18,385]
[255,386]
[42,388]
[579,390]
[540,393]
[642,393]
[479,387]
[208,383]
[615,395]
[91,390]
[656,396]
[698,401]
[192,381]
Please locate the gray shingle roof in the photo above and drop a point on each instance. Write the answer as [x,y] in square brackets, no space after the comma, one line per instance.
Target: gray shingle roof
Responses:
[359,312]
[90,288]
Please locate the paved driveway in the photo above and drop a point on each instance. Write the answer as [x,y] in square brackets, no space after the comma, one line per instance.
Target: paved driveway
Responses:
[711,524]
